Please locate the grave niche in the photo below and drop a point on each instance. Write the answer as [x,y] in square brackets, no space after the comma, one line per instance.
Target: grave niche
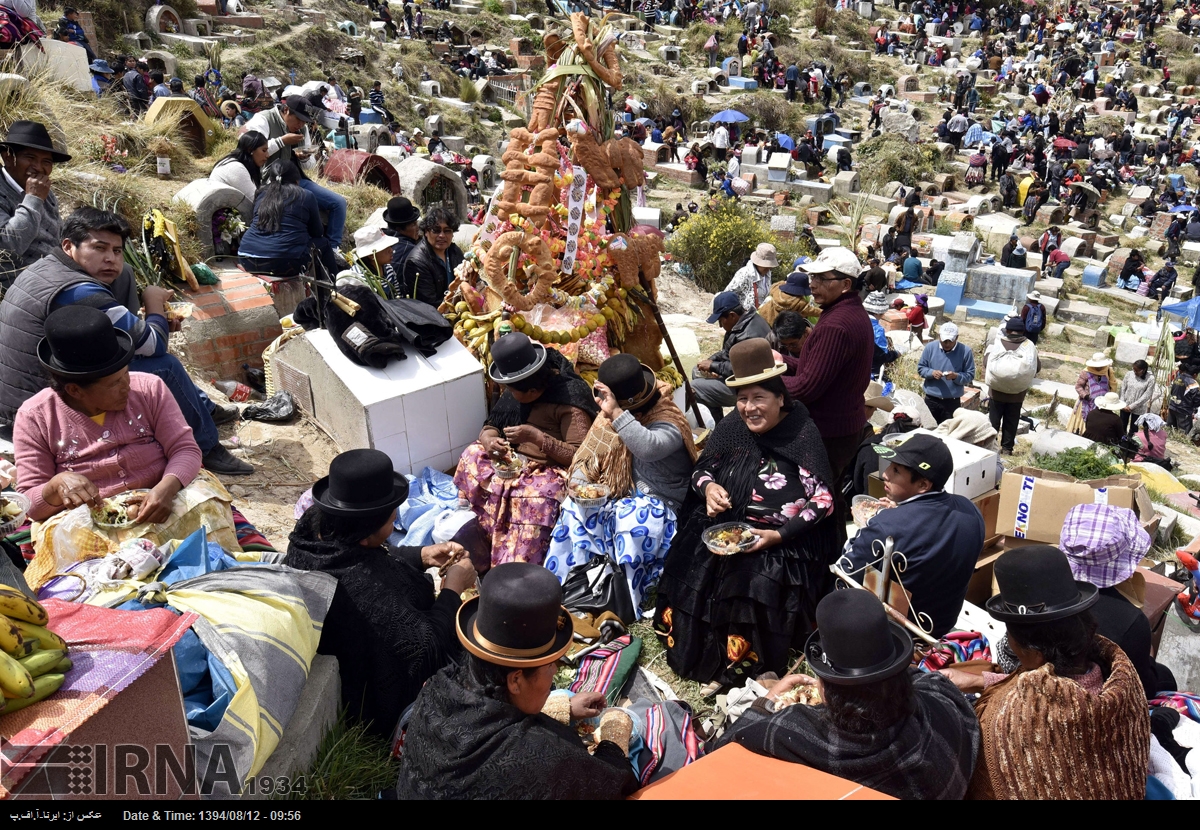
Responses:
[164,19]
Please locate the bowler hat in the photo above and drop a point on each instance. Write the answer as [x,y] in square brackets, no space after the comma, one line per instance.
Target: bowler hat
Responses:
[855,643]
[753,361]
[360,483]
[82,344]
[1037,585]
[400,211]
[630,381]
[35,136]
[515,357]
[518,619]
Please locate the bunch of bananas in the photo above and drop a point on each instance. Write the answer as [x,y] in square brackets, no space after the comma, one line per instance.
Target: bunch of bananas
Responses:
[33,659]
[473,329]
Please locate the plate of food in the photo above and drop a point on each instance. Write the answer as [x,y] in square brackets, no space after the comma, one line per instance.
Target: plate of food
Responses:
[179,311]
[13,509]
[729,538]
[587,495]
[864,508]
[805,695]
[508,465]
[120,511]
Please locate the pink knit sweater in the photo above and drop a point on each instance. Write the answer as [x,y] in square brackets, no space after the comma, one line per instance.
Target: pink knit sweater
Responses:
[134,449]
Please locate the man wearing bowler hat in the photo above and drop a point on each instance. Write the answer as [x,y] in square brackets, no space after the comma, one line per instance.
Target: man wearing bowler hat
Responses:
[29,218]
[883,724]
[401,217]
[939,534]
[708,378]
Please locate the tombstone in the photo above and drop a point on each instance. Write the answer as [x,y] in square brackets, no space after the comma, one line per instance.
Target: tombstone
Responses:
[138,41]
[65,63]
[732,67]
[750,154]
[718,76]
[845,183]
[431,88]
[865,8]
[205,197]
[778,166]
[164,19]
[371,137]
[428,185]
[901,123]
[535,22]
[908,83]
[195,128]
[196,28]
[458,35]
[647,216]
[521,46]
[699,128]
[485,166]
[162,61]
[961,254]
[862,89]
[10,84]
[709,87]
[455,143]
[668,54]
[824,124]
[887,91]
[354,166]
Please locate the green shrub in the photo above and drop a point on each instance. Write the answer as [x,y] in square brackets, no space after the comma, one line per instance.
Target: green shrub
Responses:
[493,6]
[890,158]
[719,240]
[467,91]
[1082,463]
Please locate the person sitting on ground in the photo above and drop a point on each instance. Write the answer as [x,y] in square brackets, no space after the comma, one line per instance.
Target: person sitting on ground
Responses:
[491,729]
[536,427]
[880,723]
[98,431]
[641,449]
[29,219]
[89,269]
[912,268]
[285,127]
[232,116]
[385,626]
[1070,720]
[1184,396]
[708,376]
[242,170]
[933,273]
[402,219]
[792,294]
[726,618]
[102,76]
[1163,281]
[286,227]
[940,534]
[429,267]
[1104,544]
[1010,365]
[75,31]
[948,367]
[1103,424]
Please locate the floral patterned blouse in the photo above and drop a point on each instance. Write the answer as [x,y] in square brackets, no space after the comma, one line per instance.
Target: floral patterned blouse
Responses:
[787,497]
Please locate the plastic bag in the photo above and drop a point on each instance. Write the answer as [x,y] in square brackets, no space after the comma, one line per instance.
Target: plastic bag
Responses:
[76,539]
[278,409]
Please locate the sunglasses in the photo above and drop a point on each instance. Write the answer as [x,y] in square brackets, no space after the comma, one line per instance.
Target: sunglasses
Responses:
[442,231]
[836,277]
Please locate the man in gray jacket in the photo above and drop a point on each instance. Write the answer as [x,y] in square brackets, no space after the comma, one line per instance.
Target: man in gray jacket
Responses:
[708,378]
[29,219]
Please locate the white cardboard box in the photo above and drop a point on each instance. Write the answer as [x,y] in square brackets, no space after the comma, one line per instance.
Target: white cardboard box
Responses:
[974,467]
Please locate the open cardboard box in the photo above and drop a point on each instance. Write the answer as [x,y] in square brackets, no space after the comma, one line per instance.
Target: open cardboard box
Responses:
[1034,503]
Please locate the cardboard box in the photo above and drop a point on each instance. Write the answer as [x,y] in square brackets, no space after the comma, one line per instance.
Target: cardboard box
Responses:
[1034,503]
[974,467]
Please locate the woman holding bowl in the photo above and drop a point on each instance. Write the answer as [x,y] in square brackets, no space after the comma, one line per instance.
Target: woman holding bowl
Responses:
[725,618]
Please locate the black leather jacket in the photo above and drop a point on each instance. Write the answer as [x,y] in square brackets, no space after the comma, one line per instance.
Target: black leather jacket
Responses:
[425,275]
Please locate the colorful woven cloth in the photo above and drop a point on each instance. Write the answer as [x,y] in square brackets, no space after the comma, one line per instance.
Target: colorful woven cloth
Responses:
[956,647]
[247,534]
[110,650]
[1186,703]
[607,668]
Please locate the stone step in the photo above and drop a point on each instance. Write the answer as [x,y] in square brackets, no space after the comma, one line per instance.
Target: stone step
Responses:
[240,21]
[1127,297]
[1066,392]
[1075,311]
[984,309]
[197,45]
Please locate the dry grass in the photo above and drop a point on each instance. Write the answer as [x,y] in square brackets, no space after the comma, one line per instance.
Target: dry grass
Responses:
[890,158]
[361,201]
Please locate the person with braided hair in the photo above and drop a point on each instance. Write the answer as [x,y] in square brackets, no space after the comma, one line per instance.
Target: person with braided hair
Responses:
[726,618]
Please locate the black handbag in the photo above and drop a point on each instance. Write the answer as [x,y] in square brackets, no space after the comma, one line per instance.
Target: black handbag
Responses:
[599,585]
[419,324]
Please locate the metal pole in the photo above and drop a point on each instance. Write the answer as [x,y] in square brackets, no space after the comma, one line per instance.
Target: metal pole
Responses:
[662,327]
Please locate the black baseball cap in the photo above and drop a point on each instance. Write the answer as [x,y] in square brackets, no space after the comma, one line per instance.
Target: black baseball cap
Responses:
[724,303]
[299,107]
[926,455]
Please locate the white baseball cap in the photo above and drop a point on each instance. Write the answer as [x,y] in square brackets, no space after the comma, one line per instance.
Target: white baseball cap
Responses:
[837,259]
[947,331]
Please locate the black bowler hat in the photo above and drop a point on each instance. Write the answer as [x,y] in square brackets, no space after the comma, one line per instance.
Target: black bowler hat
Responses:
[855,643]
[400,211]
[82,344]
[360,483]
[632,383]
[1037,585]
[518,619]
[35,136]
[515,357]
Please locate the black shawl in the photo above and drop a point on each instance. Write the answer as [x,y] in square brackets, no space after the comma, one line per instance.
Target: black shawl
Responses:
[735,451]
[463,745]
[384,625]
[564,387]
[928,755]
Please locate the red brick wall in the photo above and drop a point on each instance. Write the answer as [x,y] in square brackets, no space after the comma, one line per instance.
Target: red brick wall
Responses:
[225,331]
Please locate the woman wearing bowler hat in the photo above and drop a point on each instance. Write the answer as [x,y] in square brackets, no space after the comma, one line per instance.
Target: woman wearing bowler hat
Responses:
[879,722]
[385,626]
[532,433]
[1071,721]
[724,618]
[491,729]
[641,449]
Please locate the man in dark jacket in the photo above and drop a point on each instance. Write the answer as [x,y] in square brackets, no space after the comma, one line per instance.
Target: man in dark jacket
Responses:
[429,269]
[401,217]
[940,534]
[135,88]
[29,218]
[1184,397]
[708,378]
[999,159]
[1007,251]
